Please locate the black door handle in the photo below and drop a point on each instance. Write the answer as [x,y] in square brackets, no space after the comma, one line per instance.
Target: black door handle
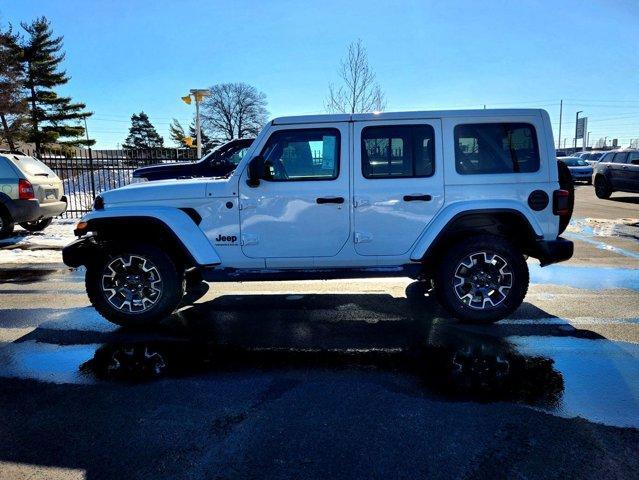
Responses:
[414,198]
[323,200]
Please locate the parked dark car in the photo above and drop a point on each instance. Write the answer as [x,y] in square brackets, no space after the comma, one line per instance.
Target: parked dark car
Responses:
[617,171]
[217,163]
[590,157]
[580,171]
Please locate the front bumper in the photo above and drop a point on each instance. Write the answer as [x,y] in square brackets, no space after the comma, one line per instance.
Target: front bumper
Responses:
[581,176]
[79,252]
[553,251]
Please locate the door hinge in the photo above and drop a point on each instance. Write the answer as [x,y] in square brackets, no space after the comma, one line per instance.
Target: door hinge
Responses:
[360,201]
[361,237]
[249,239]
[245,205]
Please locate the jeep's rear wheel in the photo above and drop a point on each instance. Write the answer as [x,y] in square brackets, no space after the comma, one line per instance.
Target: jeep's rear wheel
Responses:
[482,279]
[602,187]
[6,223]
[134,285]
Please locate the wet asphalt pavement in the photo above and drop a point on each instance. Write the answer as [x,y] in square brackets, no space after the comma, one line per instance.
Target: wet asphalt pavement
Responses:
[335,379]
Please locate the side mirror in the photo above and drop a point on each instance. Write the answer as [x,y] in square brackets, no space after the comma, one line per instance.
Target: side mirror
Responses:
[255,171]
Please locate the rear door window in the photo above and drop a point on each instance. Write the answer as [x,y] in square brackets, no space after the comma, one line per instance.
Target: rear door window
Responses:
[398,151]
[620,158]
[488,148]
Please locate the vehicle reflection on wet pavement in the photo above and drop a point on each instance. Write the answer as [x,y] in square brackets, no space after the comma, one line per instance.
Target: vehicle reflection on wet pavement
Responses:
[277,333]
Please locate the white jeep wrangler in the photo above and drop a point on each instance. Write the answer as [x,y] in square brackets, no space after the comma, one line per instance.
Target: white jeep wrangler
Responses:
[456,198]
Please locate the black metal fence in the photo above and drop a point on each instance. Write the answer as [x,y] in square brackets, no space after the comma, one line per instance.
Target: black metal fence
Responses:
[86,173]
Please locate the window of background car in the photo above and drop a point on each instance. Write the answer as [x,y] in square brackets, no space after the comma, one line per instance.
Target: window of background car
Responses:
[6,171]
[633,158]
[31,166]
[496,148]
[237,156]
[620,157]
[398,151]
[309,154]
[606,158]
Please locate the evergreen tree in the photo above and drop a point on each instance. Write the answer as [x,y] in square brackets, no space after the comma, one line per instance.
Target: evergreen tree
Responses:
[176,132]
[207,142]
[12,101]
[142,133]
[53,118]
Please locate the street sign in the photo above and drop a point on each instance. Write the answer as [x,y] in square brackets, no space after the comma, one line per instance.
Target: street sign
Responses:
[581,129]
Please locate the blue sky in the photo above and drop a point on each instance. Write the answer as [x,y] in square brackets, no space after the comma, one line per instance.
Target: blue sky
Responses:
[127,56]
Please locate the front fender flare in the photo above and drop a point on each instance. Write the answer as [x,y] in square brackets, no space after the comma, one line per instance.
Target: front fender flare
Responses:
[179,223]
[448,214]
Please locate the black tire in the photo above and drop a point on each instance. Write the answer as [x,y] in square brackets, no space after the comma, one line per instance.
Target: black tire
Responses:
[37,225]
[566,183]
[171,284]
[603,189]
[513,268]
[6,223]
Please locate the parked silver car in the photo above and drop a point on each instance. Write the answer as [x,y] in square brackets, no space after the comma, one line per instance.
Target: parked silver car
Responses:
[30,193]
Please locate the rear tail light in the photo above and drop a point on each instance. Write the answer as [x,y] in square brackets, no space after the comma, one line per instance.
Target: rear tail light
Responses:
[560,202]
[25,190]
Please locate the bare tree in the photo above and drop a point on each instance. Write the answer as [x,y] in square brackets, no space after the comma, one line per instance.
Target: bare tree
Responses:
[234,110]
[600,143]
[634,143]
[12,100]
[358,91]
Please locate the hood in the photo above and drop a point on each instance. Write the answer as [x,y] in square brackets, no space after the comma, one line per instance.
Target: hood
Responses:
[154,191]
[172,167]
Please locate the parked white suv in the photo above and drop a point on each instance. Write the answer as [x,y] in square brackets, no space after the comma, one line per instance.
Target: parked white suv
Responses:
[459,198]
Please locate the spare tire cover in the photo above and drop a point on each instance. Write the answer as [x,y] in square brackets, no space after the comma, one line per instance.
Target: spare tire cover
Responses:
[566,183]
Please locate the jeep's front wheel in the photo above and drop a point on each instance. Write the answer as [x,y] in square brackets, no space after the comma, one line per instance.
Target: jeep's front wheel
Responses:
[134,285]
[482,279]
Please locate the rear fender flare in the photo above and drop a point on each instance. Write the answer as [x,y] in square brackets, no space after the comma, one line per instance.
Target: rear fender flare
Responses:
[183,228]
[454,211]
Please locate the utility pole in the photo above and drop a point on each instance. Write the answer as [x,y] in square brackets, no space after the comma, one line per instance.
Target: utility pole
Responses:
[576,120]
[198,94]
[583,139]
[561,109]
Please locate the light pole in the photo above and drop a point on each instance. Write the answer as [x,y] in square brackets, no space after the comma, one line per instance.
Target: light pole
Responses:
[588,139]
[576,121]
[561,111]
[198,94]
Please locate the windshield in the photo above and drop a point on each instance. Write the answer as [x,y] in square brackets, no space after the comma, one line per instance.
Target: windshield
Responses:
[574,162]
[31,166]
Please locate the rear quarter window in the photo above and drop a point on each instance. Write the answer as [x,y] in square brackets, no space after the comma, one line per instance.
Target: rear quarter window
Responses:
[6,170]
[493,148]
